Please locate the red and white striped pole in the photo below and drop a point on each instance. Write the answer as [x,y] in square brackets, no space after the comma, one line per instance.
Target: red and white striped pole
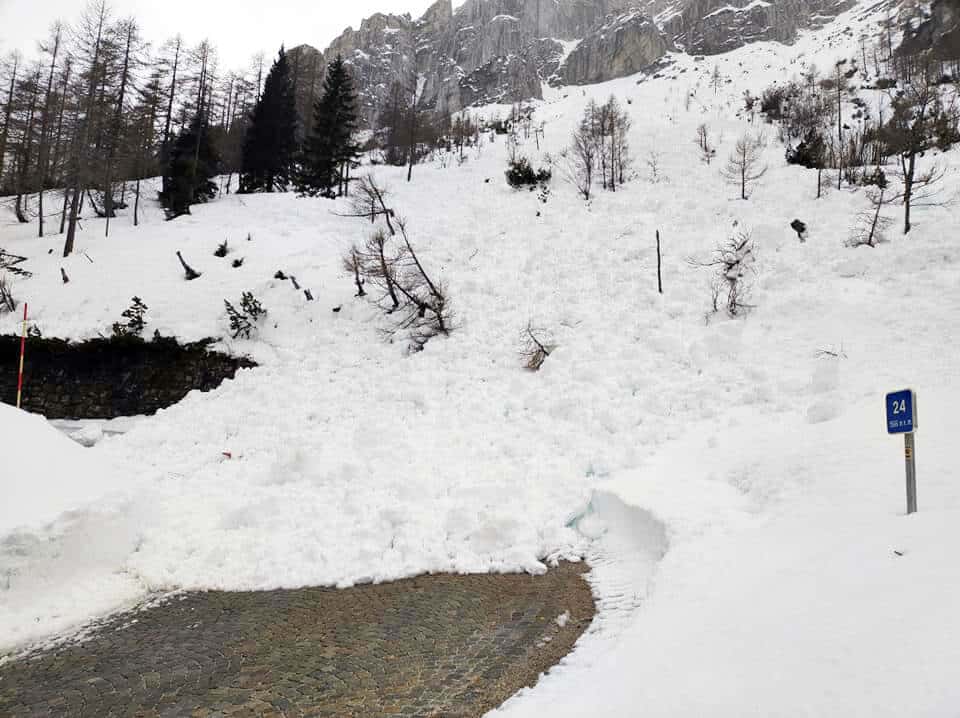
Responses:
[23,349]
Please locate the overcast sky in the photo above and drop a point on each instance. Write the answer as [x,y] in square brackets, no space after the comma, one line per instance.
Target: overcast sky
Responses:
[239,28]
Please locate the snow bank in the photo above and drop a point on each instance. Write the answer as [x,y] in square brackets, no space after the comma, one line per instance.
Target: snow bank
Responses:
[65,531]
[807,590]
[44,473]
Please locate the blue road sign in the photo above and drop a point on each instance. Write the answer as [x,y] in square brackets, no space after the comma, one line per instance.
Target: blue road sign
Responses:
[901,412]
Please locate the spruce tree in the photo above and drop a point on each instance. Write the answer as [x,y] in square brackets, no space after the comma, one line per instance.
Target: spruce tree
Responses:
[331,149]
[270,144]
[192,163]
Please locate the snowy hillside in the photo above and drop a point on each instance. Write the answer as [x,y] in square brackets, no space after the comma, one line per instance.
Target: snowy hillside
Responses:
[729,479]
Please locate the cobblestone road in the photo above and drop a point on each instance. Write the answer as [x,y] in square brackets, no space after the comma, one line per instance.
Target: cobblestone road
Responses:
[431,646]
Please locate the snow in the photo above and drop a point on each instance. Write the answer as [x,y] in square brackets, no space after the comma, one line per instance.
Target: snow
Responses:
[568,48]
[729,482]
[44,473]
[730,8]
[58,555]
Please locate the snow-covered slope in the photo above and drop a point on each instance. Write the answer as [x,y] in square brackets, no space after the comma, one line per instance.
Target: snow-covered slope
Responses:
[730,479]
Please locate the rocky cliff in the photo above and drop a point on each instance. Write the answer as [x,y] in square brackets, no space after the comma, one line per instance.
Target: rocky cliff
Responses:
[936,28]
[505,50]
[706,27]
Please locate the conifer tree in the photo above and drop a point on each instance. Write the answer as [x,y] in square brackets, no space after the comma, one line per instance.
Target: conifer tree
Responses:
[270,144]
[193,162]
[331,150]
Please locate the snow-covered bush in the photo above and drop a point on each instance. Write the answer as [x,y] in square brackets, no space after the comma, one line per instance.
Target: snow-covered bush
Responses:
[520,173]
[706,144]
[870,226]
[388,261]
[733,262]
[134,314]
[536,347]
[244,321]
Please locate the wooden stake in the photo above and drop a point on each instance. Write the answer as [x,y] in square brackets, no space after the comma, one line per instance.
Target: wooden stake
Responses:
[659,264]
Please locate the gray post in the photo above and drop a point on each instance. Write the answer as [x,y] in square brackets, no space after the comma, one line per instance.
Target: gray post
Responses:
[911,459]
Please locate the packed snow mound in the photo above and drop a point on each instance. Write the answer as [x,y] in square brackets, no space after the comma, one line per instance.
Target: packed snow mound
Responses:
[45,474]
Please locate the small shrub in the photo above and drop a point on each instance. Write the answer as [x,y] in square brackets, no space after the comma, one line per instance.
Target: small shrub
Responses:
[134,314]
[7,302]
[244,321]
[877,178]
[772,100]
[733,262]
[221,250]
[870,226]
[520,173]
[945,130]
[251,306]
[536,348]
[809,153]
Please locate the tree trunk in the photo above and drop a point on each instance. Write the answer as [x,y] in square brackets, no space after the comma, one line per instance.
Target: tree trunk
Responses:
[72,228]
[81,147]
[43,160]
[173,92]
[60,112]
[8,111]
[909,165]
[23,155]
[63,212]
[412,145]
[117,128]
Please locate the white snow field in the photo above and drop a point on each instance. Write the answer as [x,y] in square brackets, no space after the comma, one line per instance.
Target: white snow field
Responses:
[730,482]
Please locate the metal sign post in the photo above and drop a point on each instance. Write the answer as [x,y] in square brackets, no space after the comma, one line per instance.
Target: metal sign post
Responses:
[902,419]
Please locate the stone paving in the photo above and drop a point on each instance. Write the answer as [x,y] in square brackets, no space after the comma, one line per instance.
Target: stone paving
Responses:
[433,646]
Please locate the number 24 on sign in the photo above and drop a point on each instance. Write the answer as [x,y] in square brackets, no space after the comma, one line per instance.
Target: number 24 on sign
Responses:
[901,412]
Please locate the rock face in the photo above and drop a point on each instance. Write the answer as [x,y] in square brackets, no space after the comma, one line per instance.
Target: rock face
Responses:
[505,50]
[937,30]
[706,27]
[625,46]
[307,68]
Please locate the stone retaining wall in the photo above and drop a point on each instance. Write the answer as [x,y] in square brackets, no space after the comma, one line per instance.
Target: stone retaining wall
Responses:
[107,378]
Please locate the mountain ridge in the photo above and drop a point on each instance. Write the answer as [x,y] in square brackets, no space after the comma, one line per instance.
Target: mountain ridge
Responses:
[504,51]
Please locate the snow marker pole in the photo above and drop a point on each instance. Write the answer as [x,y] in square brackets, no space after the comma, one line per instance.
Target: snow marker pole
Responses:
[910,453]
[23,349]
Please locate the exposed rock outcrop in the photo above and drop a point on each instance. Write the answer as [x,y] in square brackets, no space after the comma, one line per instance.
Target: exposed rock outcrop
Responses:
[624,46]
[938,30]
[714,26]
[505,50]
